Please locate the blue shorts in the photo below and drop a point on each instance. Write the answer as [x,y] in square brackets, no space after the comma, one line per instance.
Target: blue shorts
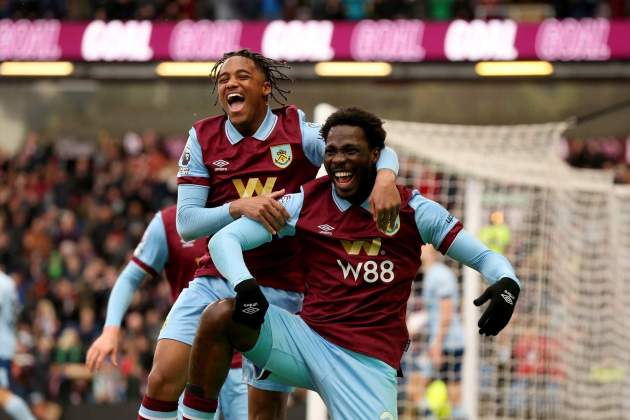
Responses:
[233,397]
[352,385]
[183,318]
[5,373]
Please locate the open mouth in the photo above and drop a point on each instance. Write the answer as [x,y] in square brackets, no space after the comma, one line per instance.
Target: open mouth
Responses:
[235,102]
[343,178]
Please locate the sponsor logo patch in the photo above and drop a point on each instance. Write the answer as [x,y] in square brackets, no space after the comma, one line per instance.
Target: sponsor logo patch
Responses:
[184,161]
[371,248]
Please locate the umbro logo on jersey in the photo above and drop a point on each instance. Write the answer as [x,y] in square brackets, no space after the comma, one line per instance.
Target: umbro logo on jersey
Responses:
[508,297]
[251,308]
[220,165]
[325,229]
[187,244]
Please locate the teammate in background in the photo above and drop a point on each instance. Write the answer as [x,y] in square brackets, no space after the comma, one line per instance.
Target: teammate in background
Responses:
[440,296]
[229,165]
[161,249]
[348,340]
[13,405]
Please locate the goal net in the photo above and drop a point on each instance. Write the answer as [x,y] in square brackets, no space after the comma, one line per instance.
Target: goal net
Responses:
[566,353]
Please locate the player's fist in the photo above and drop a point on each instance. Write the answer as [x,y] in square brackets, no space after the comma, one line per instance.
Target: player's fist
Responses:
[502,296]
[251,305]
[105,344]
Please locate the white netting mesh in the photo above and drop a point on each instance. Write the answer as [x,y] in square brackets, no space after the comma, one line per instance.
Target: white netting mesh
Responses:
[566,353]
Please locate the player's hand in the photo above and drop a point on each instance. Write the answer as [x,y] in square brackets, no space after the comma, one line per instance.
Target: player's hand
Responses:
[263,208]
[436,355]
[105,344]
[251,305]
[502,296]
[385,200]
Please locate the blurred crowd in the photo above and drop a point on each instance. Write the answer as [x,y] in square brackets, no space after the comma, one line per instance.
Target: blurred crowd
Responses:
[609,153]
[529,10]
[70,215]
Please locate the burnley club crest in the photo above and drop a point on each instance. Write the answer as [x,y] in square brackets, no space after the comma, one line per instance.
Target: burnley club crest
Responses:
[281,155]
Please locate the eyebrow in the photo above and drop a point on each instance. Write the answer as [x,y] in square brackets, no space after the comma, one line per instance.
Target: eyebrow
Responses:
[238,71]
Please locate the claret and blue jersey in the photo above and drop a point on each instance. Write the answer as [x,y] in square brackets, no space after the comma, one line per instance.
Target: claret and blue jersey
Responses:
[359,278]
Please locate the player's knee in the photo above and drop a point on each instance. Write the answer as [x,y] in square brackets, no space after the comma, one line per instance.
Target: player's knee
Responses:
[163,384]
[215,319]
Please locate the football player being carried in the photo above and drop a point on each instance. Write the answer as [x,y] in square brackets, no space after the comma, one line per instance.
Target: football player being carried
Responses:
[348,340]
[234,165]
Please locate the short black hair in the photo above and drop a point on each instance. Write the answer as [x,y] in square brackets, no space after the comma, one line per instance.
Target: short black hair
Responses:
[371,125]
[270,68]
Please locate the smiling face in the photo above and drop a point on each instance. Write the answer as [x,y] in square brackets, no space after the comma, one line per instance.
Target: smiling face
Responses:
[243,93]
[350,162]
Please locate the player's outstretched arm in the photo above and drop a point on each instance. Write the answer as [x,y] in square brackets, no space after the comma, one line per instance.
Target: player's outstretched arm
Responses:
[107,343]
[504,285]
[149,259]
[437,227]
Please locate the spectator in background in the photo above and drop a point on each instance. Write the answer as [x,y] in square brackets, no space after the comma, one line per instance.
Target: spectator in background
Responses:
[13,405]
[440,297]
[496,235]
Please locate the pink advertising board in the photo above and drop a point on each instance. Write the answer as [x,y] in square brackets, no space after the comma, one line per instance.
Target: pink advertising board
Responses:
[311,41]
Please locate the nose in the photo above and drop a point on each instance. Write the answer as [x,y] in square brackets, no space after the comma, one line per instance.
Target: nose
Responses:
[338,157]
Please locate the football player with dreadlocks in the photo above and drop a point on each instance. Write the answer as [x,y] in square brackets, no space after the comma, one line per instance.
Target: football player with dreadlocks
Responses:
[235,165]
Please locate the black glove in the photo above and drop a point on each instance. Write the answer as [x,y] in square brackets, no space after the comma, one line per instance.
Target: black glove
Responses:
[251,304]
[502,295]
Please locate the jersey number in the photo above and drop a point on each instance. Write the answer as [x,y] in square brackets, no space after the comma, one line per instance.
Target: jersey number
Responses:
[370,270]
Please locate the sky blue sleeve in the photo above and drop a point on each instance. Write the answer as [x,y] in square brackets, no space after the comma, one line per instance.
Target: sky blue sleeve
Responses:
[227,246]
[388,160]
[470,251]
[312,141]
[191,160]
[126,284]
[434,222]
[153,249]
[313,145]
[193,219]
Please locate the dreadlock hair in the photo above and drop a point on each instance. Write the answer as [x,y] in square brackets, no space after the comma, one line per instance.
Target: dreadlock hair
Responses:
[371,125]
[271,69]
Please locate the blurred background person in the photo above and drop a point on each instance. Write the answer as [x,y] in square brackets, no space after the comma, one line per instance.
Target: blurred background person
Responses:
[442,360]
[13,405]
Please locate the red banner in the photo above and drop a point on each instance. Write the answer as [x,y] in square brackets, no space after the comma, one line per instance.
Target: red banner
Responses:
[311,41]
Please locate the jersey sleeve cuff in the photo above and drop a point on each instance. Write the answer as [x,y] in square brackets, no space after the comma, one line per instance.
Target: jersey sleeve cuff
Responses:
[146,267]
[195,180]
[450,237]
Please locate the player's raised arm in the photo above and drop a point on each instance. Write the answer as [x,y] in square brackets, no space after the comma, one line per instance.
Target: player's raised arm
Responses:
[385,198]
[437,227]
[148,260]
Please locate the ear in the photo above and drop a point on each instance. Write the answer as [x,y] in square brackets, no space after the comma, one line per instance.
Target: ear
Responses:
[266,88]
[375,153]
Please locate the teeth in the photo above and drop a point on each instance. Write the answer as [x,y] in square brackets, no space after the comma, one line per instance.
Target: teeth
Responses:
[235,95]
[342,174]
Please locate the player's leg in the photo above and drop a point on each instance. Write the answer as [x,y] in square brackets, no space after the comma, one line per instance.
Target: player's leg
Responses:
[13,405]
[212,349]
[360,387]
[268,399]
[452,375]
[267,405]
[233,396]
[168,375]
